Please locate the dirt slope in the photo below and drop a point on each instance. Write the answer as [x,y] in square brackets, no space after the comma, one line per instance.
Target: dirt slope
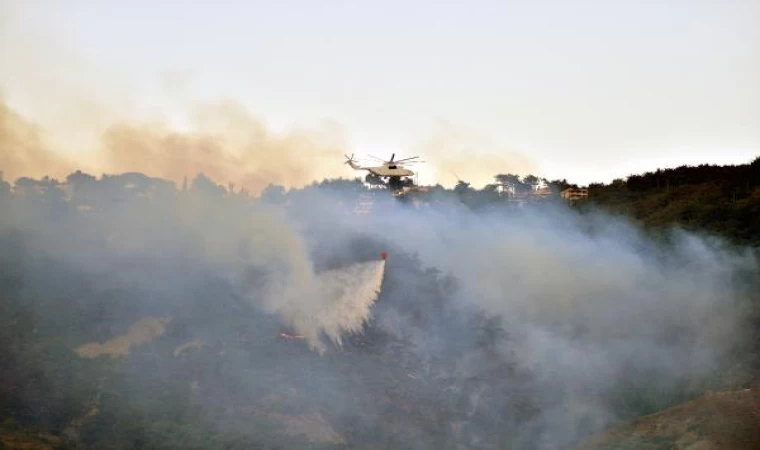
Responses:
[22,440]
[724,421]
[141,332]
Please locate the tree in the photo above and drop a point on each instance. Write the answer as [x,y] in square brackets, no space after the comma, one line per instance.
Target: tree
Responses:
[273,194]
[5,187]
[531,180]
[490,331]
[374,180]
[203,184]
[462,187]
[79,179]
[508,179]
[514,182]
[490,188]
[558,186]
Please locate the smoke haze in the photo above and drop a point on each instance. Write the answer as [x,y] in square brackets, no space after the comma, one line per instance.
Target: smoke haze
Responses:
[141,299]
[458,153]
[228,145]
[526,328]
[22,150]
[225,142]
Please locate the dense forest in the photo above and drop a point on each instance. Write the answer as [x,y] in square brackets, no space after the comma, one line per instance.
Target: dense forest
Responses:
[721,200]
[497,326]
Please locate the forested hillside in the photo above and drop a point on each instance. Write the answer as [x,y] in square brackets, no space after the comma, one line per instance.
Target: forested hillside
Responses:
[724,200]
[138,314]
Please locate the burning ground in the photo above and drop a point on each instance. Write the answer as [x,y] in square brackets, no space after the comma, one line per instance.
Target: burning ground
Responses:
[514,329]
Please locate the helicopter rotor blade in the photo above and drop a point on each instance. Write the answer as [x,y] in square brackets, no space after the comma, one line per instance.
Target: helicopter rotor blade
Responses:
[408,159]
[392,156]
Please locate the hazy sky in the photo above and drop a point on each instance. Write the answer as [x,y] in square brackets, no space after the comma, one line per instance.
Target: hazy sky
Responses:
[588,90]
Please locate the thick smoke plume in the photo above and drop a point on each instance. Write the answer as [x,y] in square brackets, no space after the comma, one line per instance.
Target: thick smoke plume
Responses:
[510,329]
[22,148]
[285,282]
[227,144]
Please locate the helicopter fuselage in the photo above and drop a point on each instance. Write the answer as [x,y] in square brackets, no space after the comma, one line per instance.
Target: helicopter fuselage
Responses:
[390,171]
[386,170]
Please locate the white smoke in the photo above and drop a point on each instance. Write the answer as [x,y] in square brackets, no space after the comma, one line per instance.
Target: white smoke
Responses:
[334,302]
[331,303]
[594,312]
[348,295]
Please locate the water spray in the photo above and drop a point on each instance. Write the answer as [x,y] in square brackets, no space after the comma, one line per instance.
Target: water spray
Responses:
[347,295]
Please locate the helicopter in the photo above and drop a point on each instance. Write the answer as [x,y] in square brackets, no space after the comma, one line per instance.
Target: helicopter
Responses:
[393,170]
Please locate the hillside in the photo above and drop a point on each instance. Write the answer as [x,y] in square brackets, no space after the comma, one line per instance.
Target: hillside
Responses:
[707,199]
[721,200]
[125,300]
[714,421]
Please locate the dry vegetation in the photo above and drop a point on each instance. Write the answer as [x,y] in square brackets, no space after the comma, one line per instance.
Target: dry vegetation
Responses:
[24,440]
[141,332]
[714,421]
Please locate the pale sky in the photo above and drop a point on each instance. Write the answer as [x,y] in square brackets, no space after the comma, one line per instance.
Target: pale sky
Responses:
[588,90]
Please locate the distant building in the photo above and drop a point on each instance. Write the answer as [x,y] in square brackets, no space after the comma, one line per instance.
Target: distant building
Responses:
[542,191]
[573,194]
